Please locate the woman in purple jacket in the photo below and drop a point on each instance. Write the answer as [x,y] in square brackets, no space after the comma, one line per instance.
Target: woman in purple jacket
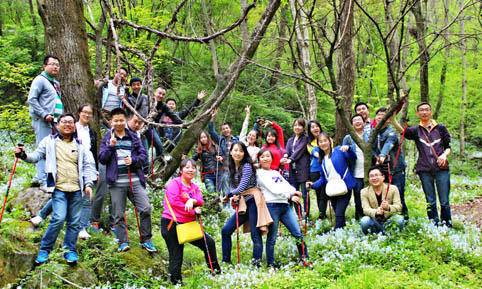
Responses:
[298,158]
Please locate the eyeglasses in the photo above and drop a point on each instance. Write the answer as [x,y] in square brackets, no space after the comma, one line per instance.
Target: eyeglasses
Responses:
[424,109]
[54,64]
[87,112]
[67,122]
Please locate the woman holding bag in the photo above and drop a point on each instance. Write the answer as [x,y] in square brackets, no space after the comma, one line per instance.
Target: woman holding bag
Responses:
[182,201]
[336,176]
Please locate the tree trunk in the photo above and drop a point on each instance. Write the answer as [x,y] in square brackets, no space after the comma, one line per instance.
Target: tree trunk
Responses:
[280,48]
[419,34]
[212,45]
[443,73]
[394,53]
[346,68]
[463,103]
[66,38]
[222,89]
[303,42]
[98,43]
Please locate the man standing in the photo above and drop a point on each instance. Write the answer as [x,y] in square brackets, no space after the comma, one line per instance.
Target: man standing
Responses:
[71,173]
[114,91]
[173,134]
[45,106]
[361,108]
[433,145]
[379,205]
[224,141]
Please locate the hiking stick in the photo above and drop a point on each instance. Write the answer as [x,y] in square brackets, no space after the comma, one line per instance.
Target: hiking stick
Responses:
[135,207]
[303,256]
[307,210]
[237,233]
[205,243]
[12,172]
[152,152]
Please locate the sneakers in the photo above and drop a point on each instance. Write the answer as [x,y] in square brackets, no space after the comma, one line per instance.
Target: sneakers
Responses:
[84,235]
[149,246]
[42,257]
[124,247]
[36,220]
[71,257]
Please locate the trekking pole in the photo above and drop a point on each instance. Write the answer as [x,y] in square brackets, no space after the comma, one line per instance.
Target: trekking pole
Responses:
[205,243]
[12,172]
[303,256]
[307,210]
[152,152]
[135,208]
[237,233]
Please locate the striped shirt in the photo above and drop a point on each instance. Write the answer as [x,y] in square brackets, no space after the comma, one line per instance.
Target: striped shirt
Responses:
[123,149]
[112,95]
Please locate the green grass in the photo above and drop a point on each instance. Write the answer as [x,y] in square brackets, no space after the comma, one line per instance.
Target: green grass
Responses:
[421,256]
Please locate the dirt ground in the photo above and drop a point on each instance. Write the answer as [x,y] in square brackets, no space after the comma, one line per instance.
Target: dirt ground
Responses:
[471,211]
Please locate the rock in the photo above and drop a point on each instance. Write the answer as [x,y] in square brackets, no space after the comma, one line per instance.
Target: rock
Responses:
[16,258]
[32,199]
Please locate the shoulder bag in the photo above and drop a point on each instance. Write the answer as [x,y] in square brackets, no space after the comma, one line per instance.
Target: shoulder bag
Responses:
[186,232]
[335,186]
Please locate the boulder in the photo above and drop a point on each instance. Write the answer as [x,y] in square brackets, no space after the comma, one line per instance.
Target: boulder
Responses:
[32,199]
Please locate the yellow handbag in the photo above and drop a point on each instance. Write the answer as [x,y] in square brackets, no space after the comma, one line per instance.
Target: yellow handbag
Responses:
[186,232]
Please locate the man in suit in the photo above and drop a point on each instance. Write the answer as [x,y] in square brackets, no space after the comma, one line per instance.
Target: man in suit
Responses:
[380,205]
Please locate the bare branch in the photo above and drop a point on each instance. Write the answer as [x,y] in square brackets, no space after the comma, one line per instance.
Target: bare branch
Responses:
[174,37]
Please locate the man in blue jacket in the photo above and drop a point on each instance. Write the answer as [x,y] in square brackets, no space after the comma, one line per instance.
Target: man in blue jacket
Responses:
[71,173]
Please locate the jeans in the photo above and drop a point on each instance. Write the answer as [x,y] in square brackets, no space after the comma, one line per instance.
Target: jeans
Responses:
[210,182]
[223,184]
[41,129]
[321,197]
[371,225]
[251,215]
[66,207]
[398,180]
[139,198]
[150,134]
[46,210]
[442,181]
[85,213]
[339,205]
[359,183]
[284,213]
[176,250]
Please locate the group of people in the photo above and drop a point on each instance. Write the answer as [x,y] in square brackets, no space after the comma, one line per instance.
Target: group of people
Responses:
[262,182]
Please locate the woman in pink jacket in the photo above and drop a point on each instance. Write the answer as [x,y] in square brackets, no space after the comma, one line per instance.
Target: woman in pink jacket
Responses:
[185,199]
